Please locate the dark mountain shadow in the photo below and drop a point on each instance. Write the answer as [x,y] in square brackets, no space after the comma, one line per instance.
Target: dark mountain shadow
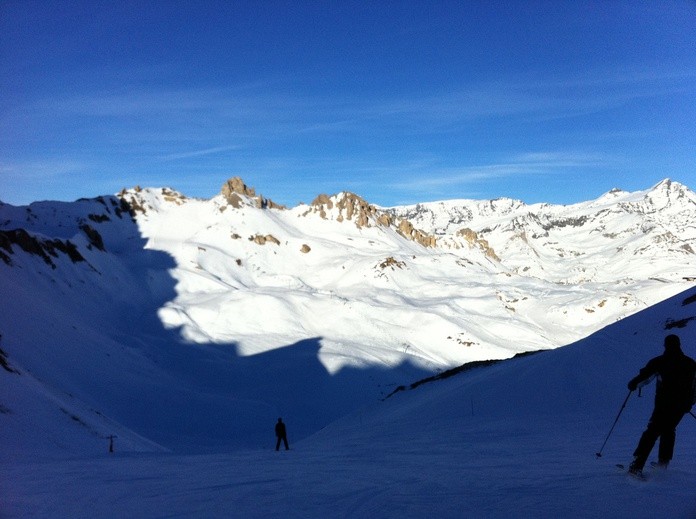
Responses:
[107,346]
[217,400]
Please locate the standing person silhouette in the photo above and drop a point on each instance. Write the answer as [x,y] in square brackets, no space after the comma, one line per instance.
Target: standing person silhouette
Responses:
[281,434]
[674,397]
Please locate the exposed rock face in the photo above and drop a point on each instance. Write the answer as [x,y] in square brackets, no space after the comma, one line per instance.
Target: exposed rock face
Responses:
[322,201]
[305,248]
[45,249]
[356,207]
[406,229]
[263,240]
[385,220]
[350,207]
[130,203]
[234,189]
[390,262]
[473,238]
[94,237]
[173,196]
[353,207]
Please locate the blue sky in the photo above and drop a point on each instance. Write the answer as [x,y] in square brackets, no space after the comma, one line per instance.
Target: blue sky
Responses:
[401,102]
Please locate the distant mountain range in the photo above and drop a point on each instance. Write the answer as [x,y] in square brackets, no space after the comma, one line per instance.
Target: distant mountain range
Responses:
[621,235]
[108,300]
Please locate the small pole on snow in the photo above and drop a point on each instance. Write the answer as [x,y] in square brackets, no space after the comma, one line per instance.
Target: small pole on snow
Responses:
[111,443]
[599,454]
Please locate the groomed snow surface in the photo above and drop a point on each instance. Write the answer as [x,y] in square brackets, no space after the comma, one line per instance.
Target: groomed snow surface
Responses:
[515,439]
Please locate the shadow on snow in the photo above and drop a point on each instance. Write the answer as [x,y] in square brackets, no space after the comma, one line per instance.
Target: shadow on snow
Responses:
[108,348]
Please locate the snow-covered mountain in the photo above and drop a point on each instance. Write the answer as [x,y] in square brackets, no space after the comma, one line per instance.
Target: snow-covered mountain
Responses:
[620,237]
[235,307]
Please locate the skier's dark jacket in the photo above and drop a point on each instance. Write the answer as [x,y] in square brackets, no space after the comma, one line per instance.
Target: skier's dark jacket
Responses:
[675,374]
[280,429]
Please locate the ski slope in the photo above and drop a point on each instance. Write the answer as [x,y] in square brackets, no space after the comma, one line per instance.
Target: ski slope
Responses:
[517,438]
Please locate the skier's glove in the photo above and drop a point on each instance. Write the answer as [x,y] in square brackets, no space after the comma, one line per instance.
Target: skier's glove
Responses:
[633,384]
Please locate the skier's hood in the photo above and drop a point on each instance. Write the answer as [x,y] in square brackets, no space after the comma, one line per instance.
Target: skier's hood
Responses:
[673,345]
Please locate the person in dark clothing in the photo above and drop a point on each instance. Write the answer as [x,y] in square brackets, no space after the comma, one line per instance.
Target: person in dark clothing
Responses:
[675,374]
[281,434]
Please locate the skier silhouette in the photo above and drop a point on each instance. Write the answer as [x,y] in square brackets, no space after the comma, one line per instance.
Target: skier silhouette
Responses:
[281,434]
[674,397]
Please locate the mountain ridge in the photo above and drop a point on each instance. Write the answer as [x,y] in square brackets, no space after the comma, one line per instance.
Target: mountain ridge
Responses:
[208,292]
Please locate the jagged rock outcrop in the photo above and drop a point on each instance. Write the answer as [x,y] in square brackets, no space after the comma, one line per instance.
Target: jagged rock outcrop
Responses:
[45,249]
[263,240]
[407,229]
[95,239]
[132,202]
[173,196]
[235,189]
[385,220]
[350,206]
[473,238]
[392,263]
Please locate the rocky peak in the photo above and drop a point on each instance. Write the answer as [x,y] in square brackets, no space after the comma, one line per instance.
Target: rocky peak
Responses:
[235,191]
[349,206]
[671,191]
[665,197]
[665,185]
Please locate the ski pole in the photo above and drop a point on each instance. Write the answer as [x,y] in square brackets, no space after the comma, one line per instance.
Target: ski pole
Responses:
[599,454]
[692,414]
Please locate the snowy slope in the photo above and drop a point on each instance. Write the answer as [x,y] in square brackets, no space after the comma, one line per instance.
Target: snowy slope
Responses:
[620,236]
[514,439]
[187,325]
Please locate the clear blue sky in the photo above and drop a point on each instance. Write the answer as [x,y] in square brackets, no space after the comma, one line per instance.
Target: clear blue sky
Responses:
[398,101]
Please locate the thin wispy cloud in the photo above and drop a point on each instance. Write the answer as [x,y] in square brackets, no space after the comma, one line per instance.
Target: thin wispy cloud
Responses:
[188,113]
[38,169]
[555,159]
[198,153]
[423,178]
[547,96]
